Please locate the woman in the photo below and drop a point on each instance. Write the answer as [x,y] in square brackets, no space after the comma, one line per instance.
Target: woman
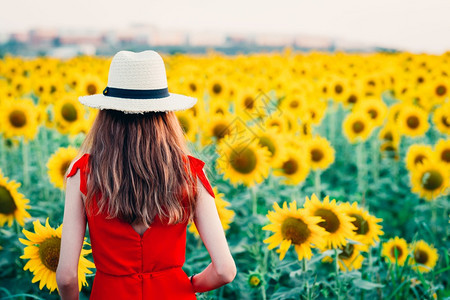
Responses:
[137,187]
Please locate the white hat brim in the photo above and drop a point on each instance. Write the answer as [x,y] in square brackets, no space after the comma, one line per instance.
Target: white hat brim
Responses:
[171,103]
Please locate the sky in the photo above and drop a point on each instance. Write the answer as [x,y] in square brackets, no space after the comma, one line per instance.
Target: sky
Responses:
[412,25]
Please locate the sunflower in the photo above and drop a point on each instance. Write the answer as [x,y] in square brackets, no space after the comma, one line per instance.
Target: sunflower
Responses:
[439,89]
[250,104]
[375,109]
[321,152]
[395,251]
[316,111]
[13,204]
[296,102]
[412,121]
[424,256]
[442,151]
[334,221]
[243,160]
[42,249]
[277,122]
[268,137]
[350,257]
[218,108]
[225,215]
[389,133]
[294,226]
[19,118]
[294,166]
[217,87]
[220,126]
[69,113]
[388,149]
[254,279]
[90,85]
[357,127]
[441,118]
[416,154]
[394,112]
[430,179]
[189,124]
[367,228]
[58,163]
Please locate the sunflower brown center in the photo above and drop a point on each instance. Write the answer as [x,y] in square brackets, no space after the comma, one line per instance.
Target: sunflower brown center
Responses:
[243,161]
[290,166]
[91,89]
[316,155]
[445,155]
[249,102]
[220,130]
[358,127]
[373,113]
[49,252]
[352,99]
[217,88]
[412,122]
[7,204]
[388,136]
[184,123]
[294,104]
[419,159]
[295,230]
[396,251]
[446,121]
[421,256]
[338,88]
[267,142]
[441,90]
[347,251]
[362,226]
[331,222]
[17,118]
[69,112]
[193,87]
[432,180]
[64,167]
[305,129]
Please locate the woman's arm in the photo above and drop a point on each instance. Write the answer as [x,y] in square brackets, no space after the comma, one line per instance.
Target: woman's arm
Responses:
[222,269]
[73,231]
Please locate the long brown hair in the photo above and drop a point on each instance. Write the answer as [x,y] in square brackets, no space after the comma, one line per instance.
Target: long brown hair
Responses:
[138,163]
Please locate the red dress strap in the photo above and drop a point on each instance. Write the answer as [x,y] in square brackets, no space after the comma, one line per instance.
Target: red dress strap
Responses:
[81,164]
[197,166]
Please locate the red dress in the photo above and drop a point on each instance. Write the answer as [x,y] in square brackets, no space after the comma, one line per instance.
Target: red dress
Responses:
[131,266]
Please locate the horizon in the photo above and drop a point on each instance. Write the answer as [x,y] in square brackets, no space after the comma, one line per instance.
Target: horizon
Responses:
[416,26]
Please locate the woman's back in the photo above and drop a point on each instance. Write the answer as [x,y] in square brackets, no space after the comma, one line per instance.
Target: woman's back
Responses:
[134,266]
[139,176]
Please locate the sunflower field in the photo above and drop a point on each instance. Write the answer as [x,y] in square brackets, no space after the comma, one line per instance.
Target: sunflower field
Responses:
[331,170]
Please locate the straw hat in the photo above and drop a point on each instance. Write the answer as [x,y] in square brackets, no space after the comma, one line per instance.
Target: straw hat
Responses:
[137,83]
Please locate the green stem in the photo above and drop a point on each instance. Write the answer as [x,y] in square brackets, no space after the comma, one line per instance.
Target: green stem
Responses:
[338,282]
[317,184]
[2,153]
[361,166]
[254,198]
[25,157]
[263,291]
[332,122]
[375,160]
[305,269]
